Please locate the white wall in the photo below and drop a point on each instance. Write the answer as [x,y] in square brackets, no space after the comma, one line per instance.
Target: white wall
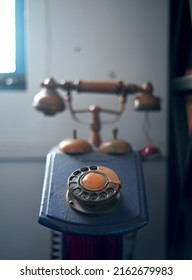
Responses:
[88,40]
[21,237]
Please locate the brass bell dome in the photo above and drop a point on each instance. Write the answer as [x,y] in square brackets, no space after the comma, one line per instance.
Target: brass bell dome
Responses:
[115,146]
[74,145]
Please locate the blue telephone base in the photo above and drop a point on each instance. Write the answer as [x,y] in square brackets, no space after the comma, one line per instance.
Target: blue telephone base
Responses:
[130,214]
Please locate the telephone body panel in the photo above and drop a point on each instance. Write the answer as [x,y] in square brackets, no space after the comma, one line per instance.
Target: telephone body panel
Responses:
[129,212]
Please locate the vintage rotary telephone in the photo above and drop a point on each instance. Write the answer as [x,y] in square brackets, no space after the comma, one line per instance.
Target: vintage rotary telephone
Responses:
[93,188]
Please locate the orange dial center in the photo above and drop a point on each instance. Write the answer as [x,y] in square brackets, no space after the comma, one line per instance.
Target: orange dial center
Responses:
[94,181]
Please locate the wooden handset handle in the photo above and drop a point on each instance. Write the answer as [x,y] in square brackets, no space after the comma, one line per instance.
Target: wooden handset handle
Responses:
[100,87]
[117,87]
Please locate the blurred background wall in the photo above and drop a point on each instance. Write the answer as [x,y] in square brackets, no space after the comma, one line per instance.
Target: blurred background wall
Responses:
[90,40]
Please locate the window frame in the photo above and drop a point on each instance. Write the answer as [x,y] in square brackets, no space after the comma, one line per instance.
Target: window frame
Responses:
[17,79]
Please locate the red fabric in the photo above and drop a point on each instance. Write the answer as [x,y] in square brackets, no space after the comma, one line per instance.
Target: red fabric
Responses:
[78,247]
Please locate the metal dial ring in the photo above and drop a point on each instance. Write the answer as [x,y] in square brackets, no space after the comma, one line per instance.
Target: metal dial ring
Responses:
[93,186]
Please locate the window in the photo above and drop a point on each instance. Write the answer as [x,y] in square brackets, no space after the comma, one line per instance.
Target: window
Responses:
[12,45]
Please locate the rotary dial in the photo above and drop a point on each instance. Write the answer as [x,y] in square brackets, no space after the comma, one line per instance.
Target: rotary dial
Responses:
[93,187]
